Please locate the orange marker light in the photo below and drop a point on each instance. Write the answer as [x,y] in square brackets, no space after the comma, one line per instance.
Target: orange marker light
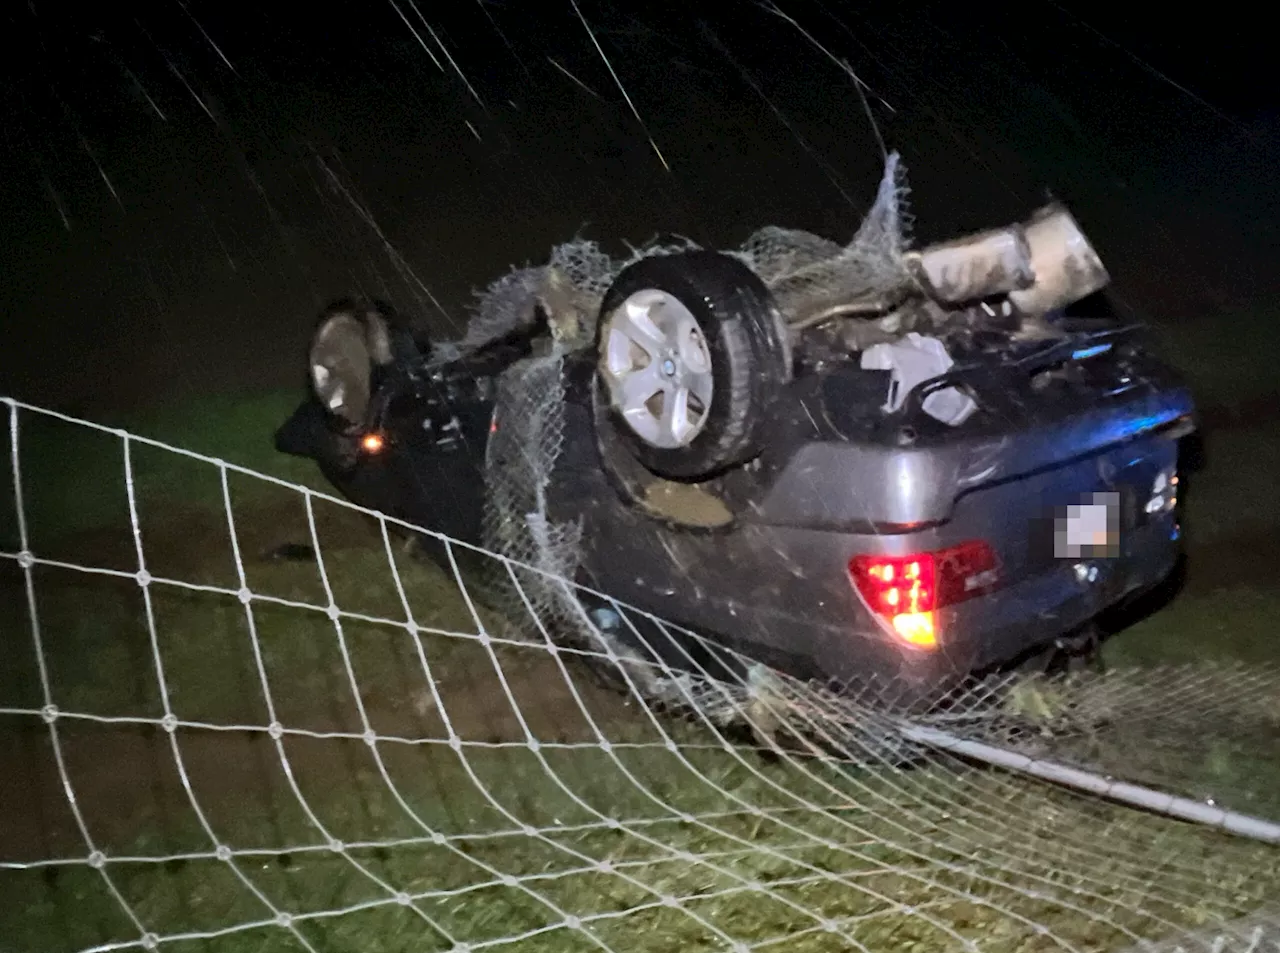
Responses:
[372,443]
[916,628]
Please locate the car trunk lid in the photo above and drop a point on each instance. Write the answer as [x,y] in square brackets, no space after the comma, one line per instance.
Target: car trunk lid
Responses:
[1056,402]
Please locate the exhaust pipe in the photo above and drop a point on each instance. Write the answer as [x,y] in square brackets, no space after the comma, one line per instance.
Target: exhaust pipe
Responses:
[1066,266]
[1041,265]
[990,263]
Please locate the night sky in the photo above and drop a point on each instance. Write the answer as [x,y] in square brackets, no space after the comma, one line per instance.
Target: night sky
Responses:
[187,183]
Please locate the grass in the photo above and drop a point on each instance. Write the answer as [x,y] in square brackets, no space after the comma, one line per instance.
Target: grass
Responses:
[919,859]
[1231,599]
[84,490]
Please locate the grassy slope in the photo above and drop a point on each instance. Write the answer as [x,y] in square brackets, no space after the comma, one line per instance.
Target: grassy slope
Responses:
[1231,599]
[908,860]
[921,839]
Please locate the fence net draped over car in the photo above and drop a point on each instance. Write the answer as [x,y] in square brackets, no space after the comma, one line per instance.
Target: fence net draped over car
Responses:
[238,713]
[799,268]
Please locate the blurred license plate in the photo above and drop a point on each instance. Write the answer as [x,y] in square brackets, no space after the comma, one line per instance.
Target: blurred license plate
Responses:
[1089,529]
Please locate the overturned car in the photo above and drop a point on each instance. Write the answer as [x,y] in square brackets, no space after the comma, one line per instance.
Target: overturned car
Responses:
[855,462]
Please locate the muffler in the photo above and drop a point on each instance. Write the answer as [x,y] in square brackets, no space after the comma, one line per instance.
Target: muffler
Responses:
[1041,265]
[1065,265]
[990,263]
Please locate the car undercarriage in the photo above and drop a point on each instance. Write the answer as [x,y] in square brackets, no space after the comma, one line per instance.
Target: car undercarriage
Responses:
[853,462]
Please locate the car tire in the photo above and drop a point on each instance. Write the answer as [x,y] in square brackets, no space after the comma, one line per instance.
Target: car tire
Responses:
[351,340]
[690,350]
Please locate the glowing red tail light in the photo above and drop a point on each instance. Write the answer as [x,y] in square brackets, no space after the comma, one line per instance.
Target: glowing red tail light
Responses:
[906,591]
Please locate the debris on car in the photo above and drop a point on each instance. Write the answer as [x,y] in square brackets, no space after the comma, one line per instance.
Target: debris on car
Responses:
[914,360]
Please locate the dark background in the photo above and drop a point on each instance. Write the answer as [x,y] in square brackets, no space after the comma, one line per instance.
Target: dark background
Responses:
[186,184]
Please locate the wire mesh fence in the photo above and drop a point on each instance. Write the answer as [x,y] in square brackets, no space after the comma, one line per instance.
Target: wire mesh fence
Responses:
[240,713]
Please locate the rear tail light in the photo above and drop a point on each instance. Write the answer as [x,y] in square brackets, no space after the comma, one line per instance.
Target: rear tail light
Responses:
[907,591]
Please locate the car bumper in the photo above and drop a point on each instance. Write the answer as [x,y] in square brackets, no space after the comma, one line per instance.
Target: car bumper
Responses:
[307,433]
[809,620]
[996,629]
[1072,594]
[410,479]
